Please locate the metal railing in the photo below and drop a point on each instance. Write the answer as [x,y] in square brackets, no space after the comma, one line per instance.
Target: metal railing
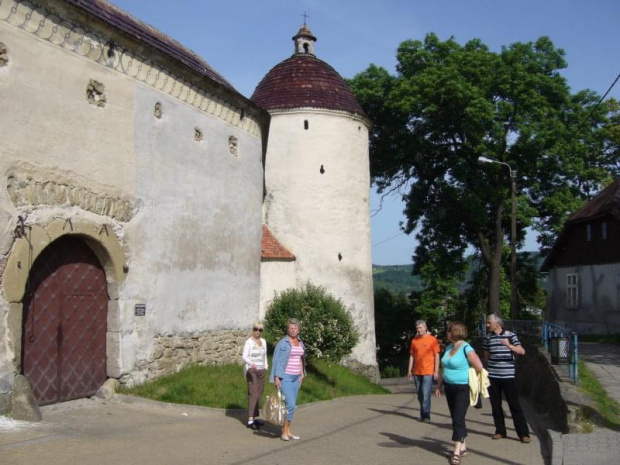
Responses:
[562,344]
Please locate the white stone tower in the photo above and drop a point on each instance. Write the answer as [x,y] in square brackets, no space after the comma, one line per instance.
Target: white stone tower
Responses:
[317,188]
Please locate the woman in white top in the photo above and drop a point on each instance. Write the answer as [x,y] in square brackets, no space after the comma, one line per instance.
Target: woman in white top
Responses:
[255,367]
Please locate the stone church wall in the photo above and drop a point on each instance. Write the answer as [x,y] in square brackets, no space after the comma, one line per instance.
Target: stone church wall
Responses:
[100,131]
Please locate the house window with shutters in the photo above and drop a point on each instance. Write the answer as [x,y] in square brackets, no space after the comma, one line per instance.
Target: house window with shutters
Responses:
[572,290]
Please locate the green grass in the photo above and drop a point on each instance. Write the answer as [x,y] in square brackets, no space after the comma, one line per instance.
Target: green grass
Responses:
[607,410]
[224,386]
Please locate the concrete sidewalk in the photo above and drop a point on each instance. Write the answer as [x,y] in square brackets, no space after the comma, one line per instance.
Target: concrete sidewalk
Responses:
[354,430]
[602,446]
[604,362]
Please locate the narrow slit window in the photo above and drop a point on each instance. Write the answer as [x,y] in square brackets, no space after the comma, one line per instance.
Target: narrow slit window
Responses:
[306,124]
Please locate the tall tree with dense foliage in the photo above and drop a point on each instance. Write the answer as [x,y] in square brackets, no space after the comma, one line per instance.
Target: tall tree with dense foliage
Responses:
[394,326]
[448,105]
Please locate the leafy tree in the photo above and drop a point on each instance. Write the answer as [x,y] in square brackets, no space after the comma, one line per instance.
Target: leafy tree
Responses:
[448,105]
[531,293]
[327,328]
[394,325]
[438,301]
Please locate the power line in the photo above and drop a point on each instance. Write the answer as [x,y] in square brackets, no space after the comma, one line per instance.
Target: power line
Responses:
[604,95]
[389,239]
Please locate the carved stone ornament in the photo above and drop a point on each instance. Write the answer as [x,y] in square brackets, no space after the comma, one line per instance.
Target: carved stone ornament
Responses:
[233,145]
[95,93]
[4,56]
[158,110]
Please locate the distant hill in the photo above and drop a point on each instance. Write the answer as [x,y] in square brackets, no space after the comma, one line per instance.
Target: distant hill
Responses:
[395,278]
[398,278]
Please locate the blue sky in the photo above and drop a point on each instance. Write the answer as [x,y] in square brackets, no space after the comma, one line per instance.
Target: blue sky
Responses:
[244,39]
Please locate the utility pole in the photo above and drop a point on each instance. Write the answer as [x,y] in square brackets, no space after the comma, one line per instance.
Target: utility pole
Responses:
[514,295]
[514,291]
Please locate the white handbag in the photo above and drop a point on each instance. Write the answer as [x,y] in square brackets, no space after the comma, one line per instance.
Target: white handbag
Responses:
[274,408]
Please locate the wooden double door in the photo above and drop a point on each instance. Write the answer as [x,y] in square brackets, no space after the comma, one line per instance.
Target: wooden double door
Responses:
[65,323]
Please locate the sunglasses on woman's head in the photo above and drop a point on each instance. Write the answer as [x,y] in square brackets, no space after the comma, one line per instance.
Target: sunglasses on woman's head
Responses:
[260,330]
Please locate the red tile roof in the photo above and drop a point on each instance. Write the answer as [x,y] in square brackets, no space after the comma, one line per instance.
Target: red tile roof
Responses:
[304,81]
[271,249]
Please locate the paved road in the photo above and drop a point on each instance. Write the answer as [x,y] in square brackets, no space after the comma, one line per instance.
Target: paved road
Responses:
[355,430]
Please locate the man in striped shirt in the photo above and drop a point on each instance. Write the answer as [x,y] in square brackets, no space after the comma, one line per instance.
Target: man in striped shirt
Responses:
[499,349]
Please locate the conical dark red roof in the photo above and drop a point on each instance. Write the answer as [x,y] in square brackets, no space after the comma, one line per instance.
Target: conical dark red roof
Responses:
[304,81]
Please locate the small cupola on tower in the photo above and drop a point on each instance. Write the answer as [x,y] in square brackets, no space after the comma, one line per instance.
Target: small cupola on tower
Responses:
[304,41]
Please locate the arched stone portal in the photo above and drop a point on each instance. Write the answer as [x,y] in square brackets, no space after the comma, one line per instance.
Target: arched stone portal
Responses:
[65,322]
[34,241]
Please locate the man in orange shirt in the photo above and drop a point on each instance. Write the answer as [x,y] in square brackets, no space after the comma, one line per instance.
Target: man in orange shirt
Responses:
[423,366]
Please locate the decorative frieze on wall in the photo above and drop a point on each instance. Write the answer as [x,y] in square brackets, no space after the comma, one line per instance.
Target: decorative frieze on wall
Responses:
[77,38]
[173,353]
[25,191]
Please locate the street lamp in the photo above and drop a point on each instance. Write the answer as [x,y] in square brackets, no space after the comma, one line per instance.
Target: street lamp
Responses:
[513,234]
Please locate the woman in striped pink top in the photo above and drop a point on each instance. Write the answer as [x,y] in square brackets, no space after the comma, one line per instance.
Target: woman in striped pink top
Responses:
[288,372]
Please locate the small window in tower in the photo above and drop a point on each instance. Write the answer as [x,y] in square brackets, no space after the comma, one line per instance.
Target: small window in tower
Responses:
[306,125]
[306,47]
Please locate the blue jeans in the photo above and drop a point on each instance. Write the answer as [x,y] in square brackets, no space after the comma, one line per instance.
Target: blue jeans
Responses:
[424,384]
[290,389]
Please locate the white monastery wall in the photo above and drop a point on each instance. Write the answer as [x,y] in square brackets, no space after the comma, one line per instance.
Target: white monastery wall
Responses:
[195,241]
[170,172]
[322,218]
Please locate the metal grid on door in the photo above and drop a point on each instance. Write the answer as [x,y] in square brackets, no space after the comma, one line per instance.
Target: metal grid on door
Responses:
[65,323]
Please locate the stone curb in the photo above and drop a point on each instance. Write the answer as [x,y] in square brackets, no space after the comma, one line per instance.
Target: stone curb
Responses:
[169,405]
[556,446]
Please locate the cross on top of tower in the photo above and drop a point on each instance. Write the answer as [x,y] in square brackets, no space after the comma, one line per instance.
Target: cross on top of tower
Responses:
[306,16]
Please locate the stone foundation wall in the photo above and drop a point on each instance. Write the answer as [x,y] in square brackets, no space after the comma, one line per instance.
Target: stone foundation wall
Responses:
[369,371]
[174,353]
[5,403]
